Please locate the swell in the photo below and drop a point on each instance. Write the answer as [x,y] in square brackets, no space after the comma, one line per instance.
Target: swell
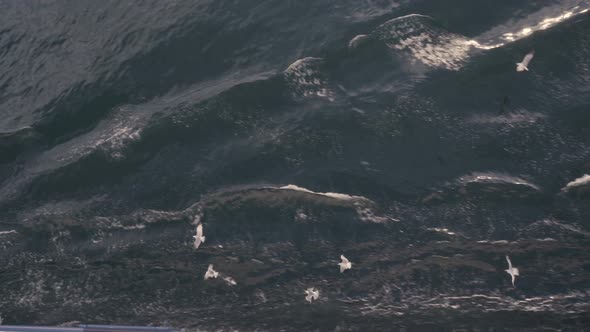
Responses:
[143,77]
[14,142]
[179,125]
[129,63]
[366,182]
[236,110]
[268,213]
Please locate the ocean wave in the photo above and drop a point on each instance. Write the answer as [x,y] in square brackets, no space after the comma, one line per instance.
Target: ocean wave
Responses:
[12,231]
[578,185]
[13,142]
[307,80]
[488,185]
[339,196]
[357,41]
[426,41]
[303,203]
[543,19]
[552,228]
[519,117]
[496,178]
[108,165]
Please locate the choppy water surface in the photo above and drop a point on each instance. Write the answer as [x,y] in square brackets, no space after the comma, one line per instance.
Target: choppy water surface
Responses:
[396,133]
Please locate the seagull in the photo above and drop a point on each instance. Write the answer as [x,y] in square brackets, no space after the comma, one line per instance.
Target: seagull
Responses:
[312,294]
[522,66]
[512,271]
[345,264]
[211,273]
[199,238]
[230,281]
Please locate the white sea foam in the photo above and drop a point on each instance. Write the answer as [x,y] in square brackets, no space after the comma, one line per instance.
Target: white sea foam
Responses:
[435,47]
[442,230]
[426,42]
[490,177]
[357,40]
[516,117]
[307,79]
[579,182]
[339,196]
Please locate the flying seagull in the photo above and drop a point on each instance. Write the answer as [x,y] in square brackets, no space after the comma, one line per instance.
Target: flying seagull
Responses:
[230,281]
[312,294]
[345,264]
[512,271]
[211,273]
[522,66]
[199,238]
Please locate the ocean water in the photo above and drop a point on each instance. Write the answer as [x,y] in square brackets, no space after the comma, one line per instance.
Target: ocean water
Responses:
[397,133]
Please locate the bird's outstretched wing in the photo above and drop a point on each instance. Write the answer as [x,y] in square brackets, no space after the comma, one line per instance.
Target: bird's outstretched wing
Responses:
[509,262]
[344,260]
[527,58]
[200,230]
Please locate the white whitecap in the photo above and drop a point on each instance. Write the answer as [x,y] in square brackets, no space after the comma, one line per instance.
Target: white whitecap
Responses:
[579,182]
[307,80]
[426,42]
[435,47]
[516,117]
[344,197]
[357,40]
[497,178]
[442,230]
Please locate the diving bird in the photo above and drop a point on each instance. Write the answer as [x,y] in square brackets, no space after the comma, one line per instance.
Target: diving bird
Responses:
[522,66]
[512,271]
[345,264]
[211,273]
[312,294]
[199,238]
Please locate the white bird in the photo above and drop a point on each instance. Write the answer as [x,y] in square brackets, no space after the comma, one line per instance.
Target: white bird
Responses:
[211,273]
[522,66]
[312,294]
[199,238]
[230,281]
[345,264]
[512,271]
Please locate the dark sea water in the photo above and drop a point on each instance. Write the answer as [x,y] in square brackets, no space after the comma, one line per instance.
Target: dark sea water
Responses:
[397,133]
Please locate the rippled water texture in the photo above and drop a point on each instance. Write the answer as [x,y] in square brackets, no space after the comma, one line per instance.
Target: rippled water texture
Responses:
[396,133]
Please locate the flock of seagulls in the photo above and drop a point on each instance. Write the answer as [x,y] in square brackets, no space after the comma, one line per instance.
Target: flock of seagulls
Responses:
[312,293]
[520,66]
[212,274]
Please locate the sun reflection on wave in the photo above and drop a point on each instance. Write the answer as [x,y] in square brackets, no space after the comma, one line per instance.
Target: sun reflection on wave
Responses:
[544,24]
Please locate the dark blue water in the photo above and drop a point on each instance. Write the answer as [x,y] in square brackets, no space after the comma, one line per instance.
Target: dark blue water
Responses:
[396,133]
